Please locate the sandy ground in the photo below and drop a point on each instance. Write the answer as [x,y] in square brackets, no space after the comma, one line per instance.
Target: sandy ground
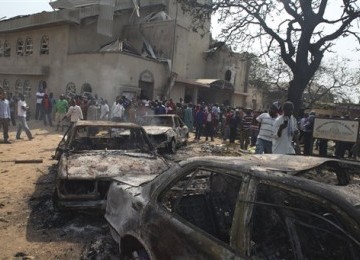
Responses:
[29,226]
[25,198]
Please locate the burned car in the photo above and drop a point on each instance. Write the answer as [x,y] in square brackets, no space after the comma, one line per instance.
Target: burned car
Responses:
[240,207]
[92,153]
[166,131]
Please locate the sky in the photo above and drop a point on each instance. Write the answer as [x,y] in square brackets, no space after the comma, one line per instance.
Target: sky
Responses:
[11,8]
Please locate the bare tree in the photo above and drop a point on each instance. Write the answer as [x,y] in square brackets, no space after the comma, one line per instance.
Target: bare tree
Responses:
[334,81]
[299,31]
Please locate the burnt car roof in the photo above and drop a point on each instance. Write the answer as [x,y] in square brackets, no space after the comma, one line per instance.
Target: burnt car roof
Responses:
[269,162]
[106,123]
[289,169]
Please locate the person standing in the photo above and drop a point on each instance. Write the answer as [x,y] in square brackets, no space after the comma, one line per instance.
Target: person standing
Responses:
[22,124]
[266,120]
[209,125]
[118,112]
[61,107]
[188,117]
[284,131]
[74,113]
[39,97]
[308,132]
[92,113]
[104,110]
[47,110]
[5,115]
[199,122]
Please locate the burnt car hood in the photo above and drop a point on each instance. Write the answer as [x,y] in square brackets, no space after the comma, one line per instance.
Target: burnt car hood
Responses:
[109,164]
[156,130]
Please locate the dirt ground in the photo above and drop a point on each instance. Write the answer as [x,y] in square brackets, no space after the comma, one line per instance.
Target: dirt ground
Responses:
[29,226]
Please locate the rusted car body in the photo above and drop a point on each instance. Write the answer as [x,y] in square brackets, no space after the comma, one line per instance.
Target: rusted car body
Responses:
[166,131]
[92,153]
[255,206]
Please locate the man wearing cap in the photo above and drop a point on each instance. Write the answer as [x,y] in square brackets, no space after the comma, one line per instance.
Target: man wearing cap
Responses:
[285,131]
[265,136]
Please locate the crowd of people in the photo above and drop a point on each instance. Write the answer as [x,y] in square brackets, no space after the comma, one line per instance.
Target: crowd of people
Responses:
[273,131]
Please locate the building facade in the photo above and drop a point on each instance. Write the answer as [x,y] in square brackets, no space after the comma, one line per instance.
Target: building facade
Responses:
[113,48]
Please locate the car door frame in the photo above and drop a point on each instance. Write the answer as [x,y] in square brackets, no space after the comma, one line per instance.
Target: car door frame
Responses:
[179,222]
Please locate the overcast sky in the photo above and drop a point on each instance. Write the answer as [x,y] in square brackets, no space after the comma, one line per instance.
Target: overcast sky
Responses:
[11,8]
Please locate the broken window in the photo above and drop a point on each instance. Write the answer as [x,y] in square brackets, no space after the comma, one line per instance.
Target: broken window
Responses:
[287,225]
[20,47]
[28,46]
[206,199]
[44,45]
[27,89]
[70,89]
[19,87]
[7,49]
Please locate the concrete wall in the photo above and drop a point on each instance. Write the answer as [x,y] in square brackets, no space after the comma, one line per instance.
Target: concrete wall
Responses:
[24,68]
[110,73]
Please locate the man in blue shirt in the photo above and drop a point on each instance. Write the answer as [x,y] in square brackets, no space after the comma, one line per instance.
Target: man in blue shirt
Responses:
[4,115]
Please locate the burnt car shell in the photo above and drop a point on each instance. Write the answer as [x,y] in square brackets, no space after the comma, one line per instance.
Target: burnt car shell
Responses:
[142,224]
[166,131]
[88,162]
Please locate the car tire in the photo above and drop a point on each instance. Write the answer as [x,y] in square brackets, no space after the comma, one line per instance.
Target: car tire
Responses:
[172,146]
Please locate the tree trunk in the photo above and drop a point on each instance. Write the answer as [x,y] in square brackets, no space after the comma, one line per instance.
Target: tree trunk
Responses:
[295,94]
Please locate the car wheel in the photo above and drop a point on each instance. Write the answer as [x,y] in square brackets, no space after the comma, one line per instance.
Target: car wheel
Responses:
[172,147]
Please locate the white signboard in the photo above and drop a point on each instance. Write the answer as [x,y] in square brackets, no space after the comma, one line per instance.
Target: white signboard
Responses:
[336,129]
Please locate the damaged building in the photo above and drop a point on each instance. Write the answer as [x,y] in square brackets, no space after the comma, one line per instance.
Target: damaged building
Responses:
[119,47]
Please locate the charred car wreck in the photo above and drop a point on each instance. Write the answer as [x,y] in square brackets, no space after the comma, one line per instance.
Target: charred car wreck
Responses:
[240,207]
[167,132]
[92,153]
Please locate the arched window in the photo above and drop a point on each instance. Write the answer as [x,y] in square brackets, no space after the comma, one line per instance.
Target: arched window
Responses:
[70,89]
[44,45]
[1,49]
[19,87]
[228,75]
[6,85]
[7,49]
[19,47]
[28,46]
[27,89]
[86,87]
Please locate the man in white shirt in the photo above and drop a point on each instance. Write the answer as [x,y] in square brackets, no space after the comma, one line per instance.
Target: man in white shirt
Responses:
[5,115]
[74,113]
[22,124]
[118,112]
[284,131]
[39,110]
[104,110]
[265,136]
